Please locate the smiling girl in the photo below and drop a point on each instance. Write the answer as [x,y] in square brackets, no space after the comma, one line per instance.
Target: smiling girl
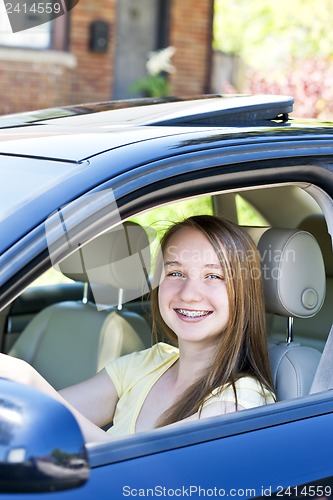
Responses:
[208,301]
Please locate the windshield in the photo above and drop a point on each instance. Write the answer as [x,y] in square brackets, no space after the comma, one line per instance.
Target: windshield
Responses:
[30,190]
[26,179]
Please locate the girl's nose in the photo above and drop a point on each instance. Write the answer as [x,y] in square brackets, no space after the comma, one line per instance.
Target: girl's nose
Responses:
[191,290]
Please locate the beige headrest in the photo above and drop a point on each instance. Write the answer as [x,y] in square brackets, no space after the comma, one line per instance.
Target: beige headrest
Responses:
[316,225]
[120,258]
[293,272]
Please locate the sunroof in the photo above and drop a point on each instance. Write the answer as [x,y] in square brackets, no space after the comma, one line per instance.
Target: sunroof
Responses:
[231,110]
[210,110]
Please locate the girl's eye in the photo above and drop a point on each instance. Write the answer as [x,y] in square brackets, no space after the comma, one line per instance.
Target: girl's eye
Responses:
[214,277]
[175,274]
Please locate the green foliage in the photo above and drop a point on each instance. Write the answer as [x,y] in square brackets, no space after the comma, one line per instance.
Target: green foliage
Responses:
[287,48]
[247,214]
[273,31]
[158,65]
[162,217]
[151,86]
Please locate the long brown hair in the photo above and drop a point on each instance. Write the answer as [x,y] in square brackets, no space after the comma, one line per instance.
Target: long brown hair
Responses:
[242,348]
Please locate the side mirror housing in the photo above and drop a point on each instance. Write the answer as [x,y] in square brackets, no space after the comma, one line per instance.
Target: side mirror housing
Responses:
[41,445]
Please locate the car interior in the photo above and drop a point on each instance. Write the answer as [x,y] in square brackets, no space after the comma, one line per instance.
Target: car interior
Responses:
[70,324]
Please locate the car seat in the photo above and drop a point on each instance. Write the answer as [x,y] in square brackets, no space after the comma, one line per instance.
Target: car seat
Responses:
[71,341]
[294,286]
[313,331]
[322,322]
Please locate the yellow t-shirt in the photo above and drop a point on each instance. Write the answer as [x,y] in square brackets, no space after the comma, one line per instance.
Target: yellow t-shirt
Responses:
[135,374]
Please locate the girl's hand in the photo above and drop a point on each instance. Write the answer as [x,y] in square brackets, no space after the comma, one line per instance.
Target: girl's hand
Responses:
[92,402]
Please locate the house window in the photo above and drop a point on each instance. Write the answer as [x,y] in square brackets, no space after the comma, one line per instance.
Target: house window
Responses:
[33,25]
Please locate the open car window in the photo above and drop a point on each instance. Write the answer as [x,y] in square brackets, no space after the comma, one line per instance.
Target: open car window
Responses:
[251,207]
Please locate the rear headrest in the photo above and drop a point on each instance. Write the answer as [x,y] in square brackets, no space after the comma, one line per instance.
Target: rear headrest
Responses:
[293,272]
[120,258]
[316,225]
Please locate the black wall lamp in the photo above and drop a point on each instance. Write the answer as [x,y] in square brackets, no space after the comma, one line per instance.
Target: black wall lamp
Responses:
[99,36]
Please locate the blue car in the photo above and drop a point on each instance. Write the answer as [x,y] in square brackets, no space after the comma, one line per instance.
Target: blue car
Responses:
[75,179]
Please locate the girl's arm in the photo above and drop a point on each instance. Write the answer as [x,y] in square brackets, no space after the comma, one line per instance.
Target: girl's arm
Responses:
[92,402]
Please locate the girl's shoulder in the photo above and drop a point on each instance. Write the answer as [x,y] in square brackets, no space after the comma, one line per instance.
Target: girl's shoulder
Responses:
[248,382]
[250,393]
[128,369]
[161,349]
[160,352]
[156,354]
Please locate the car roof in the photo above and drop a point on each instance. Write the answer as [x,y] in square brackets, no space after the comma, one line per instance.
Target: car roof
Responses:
[54,156]
[162,110]
[76,133]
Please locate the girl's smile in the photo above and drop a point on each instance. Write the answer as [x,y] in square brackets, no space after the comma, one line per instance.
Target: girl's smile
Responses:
[192,315]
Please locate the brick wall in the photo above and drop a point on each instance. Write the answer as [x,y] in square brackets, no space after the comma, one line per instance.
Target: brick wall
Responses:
[191,34]
[32,79]
[93,78]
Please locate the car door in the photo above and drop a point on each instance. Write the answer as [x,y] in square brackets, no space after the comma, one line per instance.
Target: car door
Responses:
[251,454]
[264,452]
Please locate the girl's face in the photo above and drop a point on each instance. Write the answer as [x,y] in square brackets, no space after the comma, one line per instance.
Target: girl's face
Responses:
[193,298]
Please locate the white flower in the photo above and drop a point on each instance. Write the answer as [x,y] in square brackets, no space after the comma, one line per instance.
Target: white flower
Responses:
[160,61]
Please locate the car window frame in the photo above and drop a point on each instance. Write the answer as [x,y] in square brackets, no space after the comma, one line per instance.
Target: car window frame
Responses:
[198,176]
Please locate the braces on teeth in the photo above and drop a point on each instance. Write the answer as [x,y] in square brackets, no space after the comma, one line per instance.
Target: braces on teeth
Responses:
[193,314]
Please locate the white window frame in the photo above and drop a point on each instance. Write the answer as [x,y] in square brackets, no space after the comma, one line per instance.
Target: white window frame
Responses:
[50,35]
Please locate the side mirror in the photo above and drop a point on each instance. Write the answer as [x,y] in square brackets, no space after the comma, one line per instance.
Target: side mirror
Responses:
[41,445]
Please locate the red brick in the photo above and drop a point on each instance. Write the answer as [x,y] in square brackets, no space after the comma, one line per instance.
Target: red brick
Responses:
[32,84]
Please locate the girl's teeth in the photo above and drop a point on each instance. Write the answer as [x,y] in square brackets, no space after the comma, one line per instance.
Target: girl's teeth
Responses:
[192,314]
